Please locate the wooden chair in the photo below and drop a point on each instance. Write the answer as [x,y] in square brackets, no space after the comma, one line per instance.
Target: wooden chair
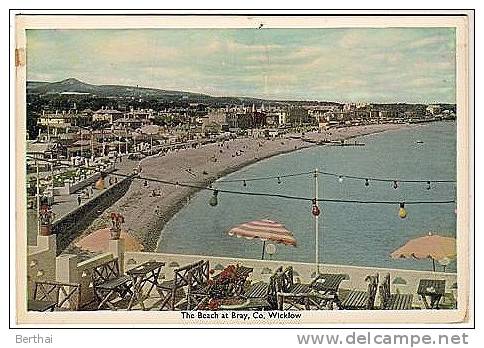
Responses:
[197,289]
[190,276]
[294,295]
[265,295]
[393,301]
[55,296]
[357,299]
[109,285]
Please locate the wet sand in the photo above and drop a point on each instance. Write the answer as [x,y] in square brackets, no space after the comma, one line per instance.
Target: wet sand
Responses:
[145,214]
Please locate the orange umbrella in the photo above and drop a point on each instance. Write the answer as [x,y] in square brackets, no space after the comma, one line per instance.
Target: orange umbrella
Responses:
[98,241]
[264,230]
[431,246]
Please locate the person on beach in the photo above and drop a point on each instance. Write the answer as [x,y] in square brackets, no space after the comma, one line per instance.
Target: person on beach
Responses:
[79,199]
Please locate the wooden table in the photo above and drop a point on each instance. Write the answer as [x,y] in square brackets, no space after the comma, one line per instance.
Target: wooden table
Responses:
[40,305]
[147,272]
[432,288]
[327,284]
[250,304]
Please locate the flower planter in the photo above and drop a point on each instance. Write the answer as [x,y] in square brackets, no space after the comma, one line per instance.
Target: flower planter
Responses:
[45,230]
[115,233]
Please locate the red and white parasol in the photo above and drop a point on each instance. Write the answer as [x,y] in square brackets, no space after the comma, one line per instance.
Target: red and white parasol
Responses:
[265,230]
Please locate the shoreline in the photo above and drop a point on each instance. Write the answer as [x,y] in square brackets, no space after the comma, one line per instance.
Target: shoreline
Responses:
[146,215]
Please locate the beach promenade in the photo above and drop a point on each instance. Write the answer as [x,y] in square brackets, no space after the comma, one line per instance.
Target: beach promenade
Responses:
[66,204]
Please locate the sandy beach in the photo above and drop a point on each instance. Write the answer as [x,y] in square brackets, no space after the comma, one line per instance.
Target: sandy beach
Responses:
[145,214]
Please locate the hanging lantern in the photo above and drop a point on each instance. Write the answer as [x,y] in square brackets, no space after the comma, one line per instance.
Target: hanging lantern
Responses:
[402,212]
[395,184]
[340,179]
[279,180]
[428,185]
[214,200]
[315,210]
[367,182]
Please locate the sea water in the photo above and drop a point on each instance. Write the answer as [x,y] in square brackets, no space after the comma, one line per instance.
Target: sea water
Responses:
[349,233]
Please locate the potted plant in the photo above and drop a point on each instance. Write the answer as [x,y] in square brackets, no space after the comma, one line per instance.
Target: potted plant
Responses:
[46,216]
[116,220]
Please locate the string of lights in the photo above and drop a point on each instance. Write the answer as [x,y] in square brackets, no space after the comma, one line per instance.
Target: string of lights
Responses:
[341,178]
[279,177]
[216,191]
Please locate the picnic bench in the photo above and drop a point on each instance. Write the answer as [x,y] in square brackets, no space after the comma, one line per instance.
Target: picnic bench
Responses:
[358,299]
[393,301]
[50,296]
[109,285]
[432,288]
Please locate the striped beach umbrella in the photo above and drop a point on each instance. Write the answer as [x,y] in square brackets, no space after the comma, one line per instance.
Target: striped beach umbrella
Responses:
[265,230]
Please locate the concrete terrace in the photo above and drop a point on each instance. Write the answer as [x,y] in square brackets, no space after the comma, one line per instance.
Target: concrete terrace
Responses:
[43,265]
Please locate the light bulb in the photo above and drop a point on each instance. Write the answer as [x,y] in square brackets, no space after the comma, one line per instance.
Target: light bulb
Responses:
[395,184]
[315,210]
[245,183]
[428,185]
[367,182]
[214,200]
[402,212]
[340,179]
[278,180]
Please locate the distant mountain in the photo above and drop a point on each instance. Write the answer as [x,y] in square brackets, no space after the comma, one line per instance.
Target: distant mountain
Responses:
[74,86]
[35,84]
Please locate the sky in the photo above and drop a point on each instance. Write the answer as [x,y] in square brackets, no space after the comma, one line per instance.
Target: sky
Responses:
[344,65]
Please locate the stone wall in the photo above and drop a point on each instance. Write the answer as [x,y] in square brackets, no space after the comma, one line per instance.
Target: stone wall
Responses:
[68,227]
[69,269]
[41,265]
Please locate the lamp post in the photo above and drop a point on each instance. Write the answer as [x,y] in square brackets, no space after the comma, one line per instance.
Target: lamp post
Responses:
[38,196]
[316,218]
[81,142]
[316,212]
[92,145]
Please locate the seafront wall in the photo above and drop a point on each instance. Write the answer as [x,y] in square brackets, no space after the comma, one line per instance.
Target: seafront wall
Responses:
[68,268]
[402,281]
[41,261]
[71,225]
